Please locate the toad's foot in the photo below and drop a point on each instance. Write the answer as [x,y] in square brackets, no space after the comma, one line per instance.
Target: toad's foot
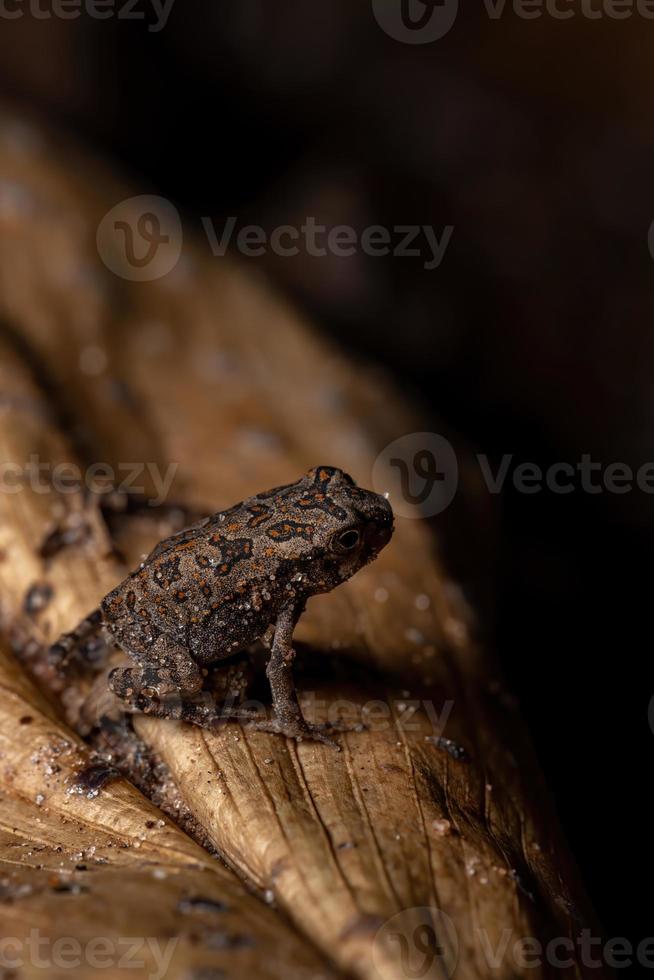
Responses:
[294,729]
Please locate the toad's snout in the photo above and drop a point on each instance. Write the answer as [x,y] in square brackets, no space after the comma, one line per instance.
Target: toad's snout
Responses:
[380,529]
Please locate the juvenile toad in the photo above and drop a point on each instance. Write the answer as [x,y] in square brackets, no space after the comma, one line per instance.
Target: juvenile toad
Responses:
[229,580]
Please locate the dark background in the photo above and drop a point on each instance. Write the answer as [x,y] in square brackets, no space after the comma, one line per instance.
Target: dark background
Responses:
[534,337]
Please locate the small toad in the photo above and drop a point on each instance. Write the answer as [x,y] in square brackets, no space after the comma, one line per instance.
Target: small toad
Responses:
[235,577]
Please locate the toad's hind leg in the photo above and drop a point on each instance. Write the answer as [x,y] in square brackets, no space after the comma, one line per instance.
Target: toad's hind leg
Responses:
[165,669]
[167,683]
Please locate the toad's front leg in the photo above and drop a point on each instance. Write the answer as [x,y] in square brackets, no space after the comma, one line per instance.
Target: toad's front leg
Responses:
[288,718]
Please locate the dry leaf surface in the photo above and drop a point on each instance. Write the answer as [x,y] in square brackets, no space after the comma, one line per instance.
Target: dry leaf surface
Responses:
[207,371]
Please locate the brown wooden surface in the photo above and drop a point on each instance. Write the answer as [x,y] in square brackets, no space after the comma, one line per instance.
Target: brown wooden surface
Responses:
[209,370]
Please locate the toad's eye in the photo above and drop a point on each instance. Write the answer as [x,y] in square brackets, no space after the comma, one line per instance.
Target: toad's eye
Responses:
[348,539]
